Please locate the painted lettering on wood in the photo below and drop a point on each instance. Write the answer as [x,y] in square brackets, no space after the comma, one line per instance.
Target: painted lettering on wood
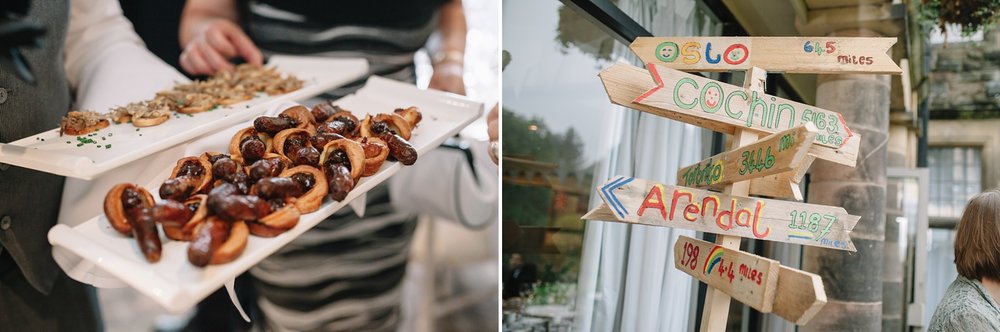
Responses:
[640,201]
[782,54]
[700,97]
[748,278]
[624,83]
[780,152]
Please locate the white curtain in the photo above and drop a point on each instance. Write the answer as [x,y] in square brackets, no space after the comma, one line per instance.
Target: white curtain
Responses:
[627,277]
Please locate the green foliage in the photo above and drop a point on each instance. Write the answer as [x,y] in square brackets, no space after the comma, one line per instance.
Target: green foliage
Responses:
[970,15]
[531,139]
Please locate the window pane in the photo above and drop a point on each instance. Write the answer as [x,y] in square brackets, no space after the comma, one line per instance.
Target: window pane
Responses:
[956,176]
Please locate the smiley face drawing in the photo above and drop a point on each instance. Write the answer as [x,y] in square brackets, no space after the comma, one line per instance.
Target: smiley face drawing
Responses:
[667,51]
[736,54]
[711,97]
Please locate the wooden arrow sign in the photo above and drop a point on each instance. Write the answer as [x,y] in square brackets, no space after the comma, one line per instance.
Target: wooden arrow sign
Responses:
[758,282]
[727,107]
[640,201]
[748,278]
[814,55]
[778,153]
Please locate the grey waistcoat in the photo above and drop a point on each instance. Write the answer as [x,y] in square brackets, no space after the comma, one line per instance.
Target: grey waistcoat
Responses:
[29,200]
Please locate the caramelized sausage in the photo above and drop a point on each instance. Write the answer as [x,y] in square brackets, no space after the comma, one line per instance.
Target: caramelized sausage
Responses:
[320,139]
[265,168]
[340,180]
[399,148]
[305,155]
[277,187]
[145,232]
[225,169]
[179,188]
[323,111]
[216,157]
[191,168]
[272,125]
[226,202]
[170,213]
[252,148]
[211,234]
[343,128]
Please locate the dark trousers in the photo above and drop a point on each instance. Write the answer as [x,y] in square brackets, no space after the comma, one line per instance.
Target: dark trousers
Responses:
[71,306]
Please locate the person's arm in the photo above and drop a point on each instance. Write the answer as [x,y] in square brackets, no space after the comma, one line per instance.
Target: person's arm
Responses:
[449,61]
[210,35]
[106,62]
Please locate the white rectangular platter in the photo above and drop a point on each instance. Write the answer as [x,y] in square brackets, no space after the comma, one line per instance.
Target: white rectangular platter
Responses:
[121,144]
[176,284]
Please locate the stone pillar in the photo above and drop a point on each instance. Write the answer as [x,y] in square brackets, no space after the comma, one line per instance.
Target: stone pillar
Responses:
[853,281]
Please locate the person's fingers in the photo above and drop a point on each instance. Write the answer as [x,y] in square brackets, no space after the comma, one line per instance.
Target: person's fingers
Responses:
[213,59]
[220,43]
[244,46]
[196,64]
[492,122]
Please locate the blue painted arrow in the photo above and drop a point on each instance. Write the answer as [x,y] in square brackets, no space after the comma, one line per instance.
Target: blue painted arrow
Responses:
[612,199]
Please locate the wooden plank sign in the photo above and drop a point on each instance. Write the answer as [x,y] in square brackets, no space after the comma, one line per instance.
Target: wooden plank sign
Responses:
[625,84]
[640,201]
[682,92]
[748,278]
[800,295]
[778,153]
[813,55]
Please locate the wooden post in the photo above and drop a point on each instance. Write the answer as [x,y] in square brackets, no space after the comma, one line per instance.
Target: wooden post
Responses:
[716,310]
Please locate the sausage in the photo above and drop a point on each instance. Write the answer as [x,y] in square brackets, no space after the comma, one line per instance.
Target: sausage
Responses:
[208,237]
[343,128]
[320,139]
[399,148]
[171,213]
[242,182]
[323,111]
[266,168]
[179,188]
[305,180]
[272,125]
[226,202]
[252,148]
[191,168]
[340,181]
[145,232]
[216,157]
[277,187]
[305,155]
[225,169]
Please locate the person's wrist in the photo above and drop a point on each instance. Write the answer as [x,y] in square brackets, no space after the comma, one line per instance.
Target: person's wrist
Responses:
[450,57]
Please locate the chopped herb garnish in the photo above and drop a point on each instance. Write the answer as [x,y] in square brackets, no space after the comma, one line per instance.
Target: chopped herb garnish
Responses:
[103,139]
[107,146]
[79,145]
[68,142]
[110,134]
[43,140]
[136,129]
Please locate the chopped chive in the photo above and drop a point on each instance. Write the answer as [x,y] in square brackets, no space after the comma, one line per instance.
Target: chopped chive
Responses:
[107,146]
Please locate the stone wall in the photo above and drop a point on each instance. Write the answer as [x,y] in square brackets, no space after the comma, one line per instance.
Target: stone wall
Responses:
[966,76]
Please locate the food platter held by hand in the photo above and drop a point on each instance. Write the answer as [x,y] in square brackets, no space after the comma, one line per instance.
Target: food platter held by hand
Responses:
[181,273]
[146,129]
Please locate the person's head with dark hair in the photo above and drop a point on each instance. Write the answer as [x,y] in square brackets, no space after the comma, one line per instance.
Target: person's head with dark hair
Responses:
[516,260]
[977,242]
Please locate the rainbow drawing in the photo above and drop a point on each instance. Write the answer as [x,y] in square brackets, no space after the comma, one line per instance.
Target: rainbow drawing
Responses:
[714,257]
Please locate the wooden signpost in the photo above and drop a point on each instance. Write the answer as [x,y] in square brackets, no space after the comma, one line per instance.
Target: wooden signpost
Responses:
[749,278]
[624,83]
[694,95]
[764,166]
[778,153]
[646,202]
[813,55]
